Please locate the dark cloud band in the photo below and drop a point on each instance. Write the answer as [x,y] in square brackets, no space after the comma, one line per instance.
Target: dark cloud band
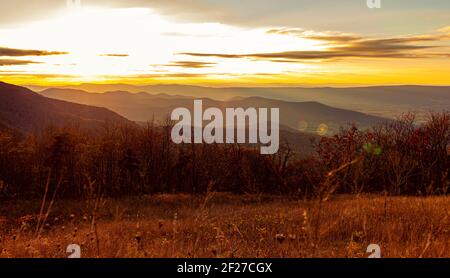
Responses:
[12,62]
[12,52]
[114,55]
[344,46]
[190,64]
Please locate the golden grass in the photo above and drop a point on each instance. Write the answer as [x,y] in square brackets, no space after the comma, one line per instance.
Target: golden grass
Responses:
[224,225]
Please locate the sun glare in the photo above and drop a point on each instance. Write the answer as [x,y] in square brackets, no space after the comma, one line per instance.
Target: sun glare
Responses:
[104,42]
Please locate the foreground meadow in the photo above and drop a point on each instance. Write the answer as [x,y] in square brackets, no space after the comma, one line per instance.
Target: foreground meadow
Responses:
[225,225]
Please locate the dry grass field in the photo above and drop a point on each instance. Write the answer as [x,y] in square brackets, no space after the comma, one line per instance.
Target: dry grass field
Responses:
[225,225]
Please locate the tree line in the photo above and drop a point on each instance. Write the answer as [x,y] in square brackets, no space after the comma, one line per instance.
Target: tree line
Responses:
[399,157]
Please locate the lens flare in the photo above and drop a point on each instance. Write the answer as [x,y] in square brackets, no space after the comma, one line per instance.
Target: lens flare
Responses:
[303,125]
[322,129]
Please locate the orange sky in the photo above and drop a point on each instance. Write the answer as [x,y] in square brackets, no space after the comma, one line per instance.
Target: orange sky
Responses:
[142,45]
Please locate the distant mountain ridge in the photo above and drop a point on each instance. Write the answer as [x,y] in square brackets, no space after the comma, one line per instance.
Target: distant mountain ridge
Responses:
[384,101]
[25,111]
[144,107]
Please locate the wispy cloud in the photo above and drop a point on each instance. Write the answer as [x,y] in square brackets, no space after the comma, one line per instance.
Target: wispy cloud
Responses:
[12,62]
[114,55]
[331,36]
[343,45]
[189,64]
[12,52]
[362,51]
[163,75]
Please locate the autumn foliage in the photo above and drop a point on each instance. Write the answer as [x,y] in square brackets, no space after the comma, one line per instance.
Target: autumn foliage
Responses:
[398,157]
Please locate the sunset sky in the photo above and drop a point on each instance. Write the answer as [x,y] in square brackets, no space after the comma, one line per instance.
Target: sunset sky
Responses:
[224,43]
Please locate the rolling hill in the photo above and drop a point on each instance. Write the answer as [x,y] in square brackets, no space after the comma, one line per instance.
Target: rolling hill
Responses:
[25,111]
[383,101]
[144,107]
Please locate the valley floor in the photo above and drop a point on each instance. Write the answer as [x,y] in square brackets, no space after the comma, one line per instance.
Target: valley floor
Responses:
[224,225]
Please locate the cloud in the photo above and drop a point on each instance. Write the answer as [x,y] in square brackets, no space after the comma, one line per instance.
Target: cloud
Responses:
[114,55]
[12,52]
[309,34]
[340,37]
[190,64]
[298,56]
[344,45]
[445,29]
[169,75]
[348,15]
[12,62]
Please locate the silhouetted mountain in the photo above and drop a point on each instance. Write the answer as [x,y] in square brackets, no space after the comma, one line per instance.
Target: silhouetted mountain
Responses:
[145,107]
[25,111]
[384,101]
